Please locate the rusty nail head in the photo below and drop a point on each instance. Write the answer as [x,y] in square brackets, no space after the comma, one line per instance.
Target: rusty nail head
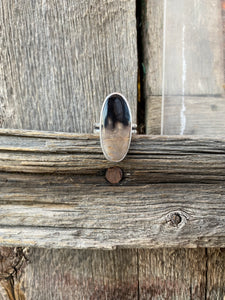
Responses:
[114,175]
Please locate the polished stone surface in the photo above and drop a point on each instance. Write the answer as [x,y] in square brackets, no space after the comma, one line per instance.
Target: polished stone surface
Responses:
[115,127]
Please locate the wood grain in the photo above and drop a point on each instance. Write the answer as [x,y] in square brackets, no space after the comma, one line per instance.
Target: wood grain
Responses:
[215,273]
[59,60]
[152,41]
[136,217]
[50,274]
[193,49]
[203,47]
[61,199]
[13,263]
[82,274]
[194,74]
[151,159]
[183,273]
[204,116]
[172,274]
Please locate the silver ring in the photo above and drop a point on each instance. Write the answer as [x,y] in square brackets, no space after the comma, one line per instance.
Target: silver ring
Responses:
[115,127]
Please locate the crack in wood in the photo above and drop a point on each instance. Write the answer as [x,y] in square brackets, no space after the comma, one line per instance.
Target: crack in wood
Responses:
[13,262]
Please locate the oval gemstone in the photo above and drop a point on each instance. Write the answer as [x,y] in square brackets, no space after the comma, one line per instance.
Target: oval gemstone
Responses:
[115,127]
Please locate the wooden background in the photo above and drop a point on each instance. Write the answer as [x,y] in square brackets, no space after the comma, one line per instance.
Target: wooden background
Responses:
[58,61]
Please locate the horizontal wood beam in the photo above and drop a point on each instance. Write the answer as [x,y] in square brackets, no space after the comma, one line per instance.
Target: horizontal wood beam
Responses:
[54,192]
[150,159]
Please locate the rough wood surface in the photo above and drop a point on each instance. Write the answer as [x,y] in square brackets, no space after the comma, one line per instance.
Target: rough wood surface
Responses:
[50,274]
[151,159]
[197,27]
[60,59]
[60,197]
[186,274]
[82,274]
[203,116]
[13,263]
[193,48]
[215,273]
[194,67]
[223,24]
[136,217]
[172,274]
[152,40]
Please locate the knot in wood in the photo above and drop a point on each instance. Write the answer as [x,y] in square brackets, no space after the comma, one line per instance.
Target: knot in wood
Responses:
[175,219]
[114,175]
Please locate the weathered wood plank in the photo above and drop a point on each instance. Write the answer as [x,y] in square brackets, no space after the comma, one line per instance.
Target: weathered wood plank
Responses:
[13,263]
[152,41]
[172,274]
[60,198]
[188,274]
[193,48]
[82,274]
[215,273]
[193,36]
[83,210]
[216,256]
[223,24]
[194,67]
[203,115]
[60,59]
[160,215]
[150,159]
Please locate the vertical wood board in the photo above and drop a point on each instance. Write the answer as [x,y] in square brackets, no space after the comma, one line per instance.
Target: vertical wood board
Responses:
[187,274]
[81,274]
[152,40]
[172,274]
[59,60]
[215,273]
[193,66]
[193,61]
[203,116]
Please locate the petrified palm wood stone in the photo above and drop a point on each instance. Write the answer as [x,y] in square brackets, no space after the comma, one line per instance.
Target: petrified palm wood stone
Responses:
[115,127]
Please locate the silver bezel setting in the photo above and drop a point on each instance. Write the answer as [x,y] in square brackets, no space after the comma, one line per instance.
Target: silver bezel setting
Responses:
[101,142]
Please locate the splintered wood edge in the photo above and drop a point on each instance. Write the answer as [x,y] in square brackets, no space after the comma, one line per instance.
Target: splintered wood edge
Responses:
[54,192]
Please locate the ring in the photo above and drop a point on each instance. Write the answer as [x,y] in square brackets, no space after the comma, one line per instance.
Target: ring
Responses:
[115,127]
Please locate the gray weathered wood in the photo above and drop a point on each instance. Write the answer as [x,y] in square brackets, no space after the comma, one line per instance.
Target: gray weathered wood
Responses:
[215,273]
[82,274]
[223,25]
[203,116]
[193,48]
[60,59]
[194,67]
[150,159]
[78,274]
[202,41]
[187,274]
[13,263]
[172,274]
[115,216]
[60,198]
[153,115]
[152,34]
